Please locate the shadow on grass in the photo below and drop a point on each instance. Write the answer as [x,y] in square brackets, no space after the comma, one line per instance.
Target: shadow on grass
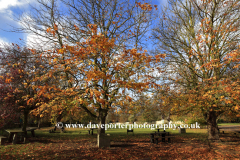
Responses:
[40,140]
[58,155]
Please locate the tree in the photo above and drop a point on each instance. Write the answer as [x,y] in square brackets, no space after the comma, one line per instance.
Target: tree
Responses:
[8,109]
[201,40]
[103,74]
[146,108]
[20,68]
[125,22]
[112,116]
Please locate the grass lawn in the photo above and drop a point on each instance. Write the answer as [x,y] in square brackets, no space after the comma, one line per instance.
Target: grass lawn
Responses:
[228,124]
[77,144]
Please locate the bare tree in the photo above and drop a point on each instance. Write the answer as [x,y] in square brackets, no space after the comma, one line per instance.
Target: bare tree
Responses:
[198,37]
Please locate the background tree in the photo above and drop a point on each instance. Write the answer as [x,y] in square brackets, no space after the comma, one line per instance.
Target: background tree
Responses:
[112,116]
[19,70]
[8,109]
[146,109]
[201,39]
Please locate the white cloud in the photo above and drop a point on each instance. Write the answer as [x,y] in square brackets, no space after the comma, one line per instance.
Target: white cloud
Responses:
[162,3]
[3,41]
[9,9]
[6,4]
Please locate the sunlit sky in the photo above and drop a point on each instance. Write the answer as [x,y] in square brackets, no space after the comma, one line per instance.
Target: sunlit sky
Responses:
[13,8]
[9,9]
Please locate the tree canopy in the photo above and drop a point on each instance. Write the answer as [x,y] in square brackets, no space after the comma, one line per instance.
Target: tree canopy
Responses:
[201,39]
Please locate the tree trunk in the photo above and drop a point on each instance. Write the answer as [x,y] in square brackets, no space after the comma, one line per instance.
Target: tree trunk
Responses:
[212,126]
[102,120]
[39,121]
[168,118]
[25,121]
[58,118]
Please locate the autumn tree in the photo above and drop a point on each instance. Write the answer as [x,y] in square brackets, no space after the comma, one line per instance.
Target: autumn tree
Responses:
[112,116]
[55,22]
[19,70]
[104,74]
[201,40]
[37,23]
[145,110]
[8,109]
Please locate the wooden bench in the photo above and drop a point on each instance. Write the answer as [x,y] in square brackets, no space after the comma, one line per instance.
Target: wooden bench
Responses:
[231,129]
[128,130]
[234,131]
[90,131]
[159,130]
[229,132]
[2,140]
[165,139]
[13,135]
[164,136]
[15,138]
[32,129]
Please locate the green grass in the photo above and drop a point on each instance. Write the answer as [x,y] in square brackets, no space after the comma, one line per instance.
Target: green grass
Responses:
[115,134]
[76,132]
[228,124]
[73,133]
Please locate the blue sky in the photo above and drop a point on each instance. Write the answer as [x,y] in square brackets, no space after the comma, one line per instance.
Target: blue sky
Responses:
[11,8]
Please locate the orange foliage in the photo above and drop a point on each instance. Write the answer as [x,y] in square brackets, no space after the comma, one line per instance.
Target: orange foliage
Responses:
[97,72]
